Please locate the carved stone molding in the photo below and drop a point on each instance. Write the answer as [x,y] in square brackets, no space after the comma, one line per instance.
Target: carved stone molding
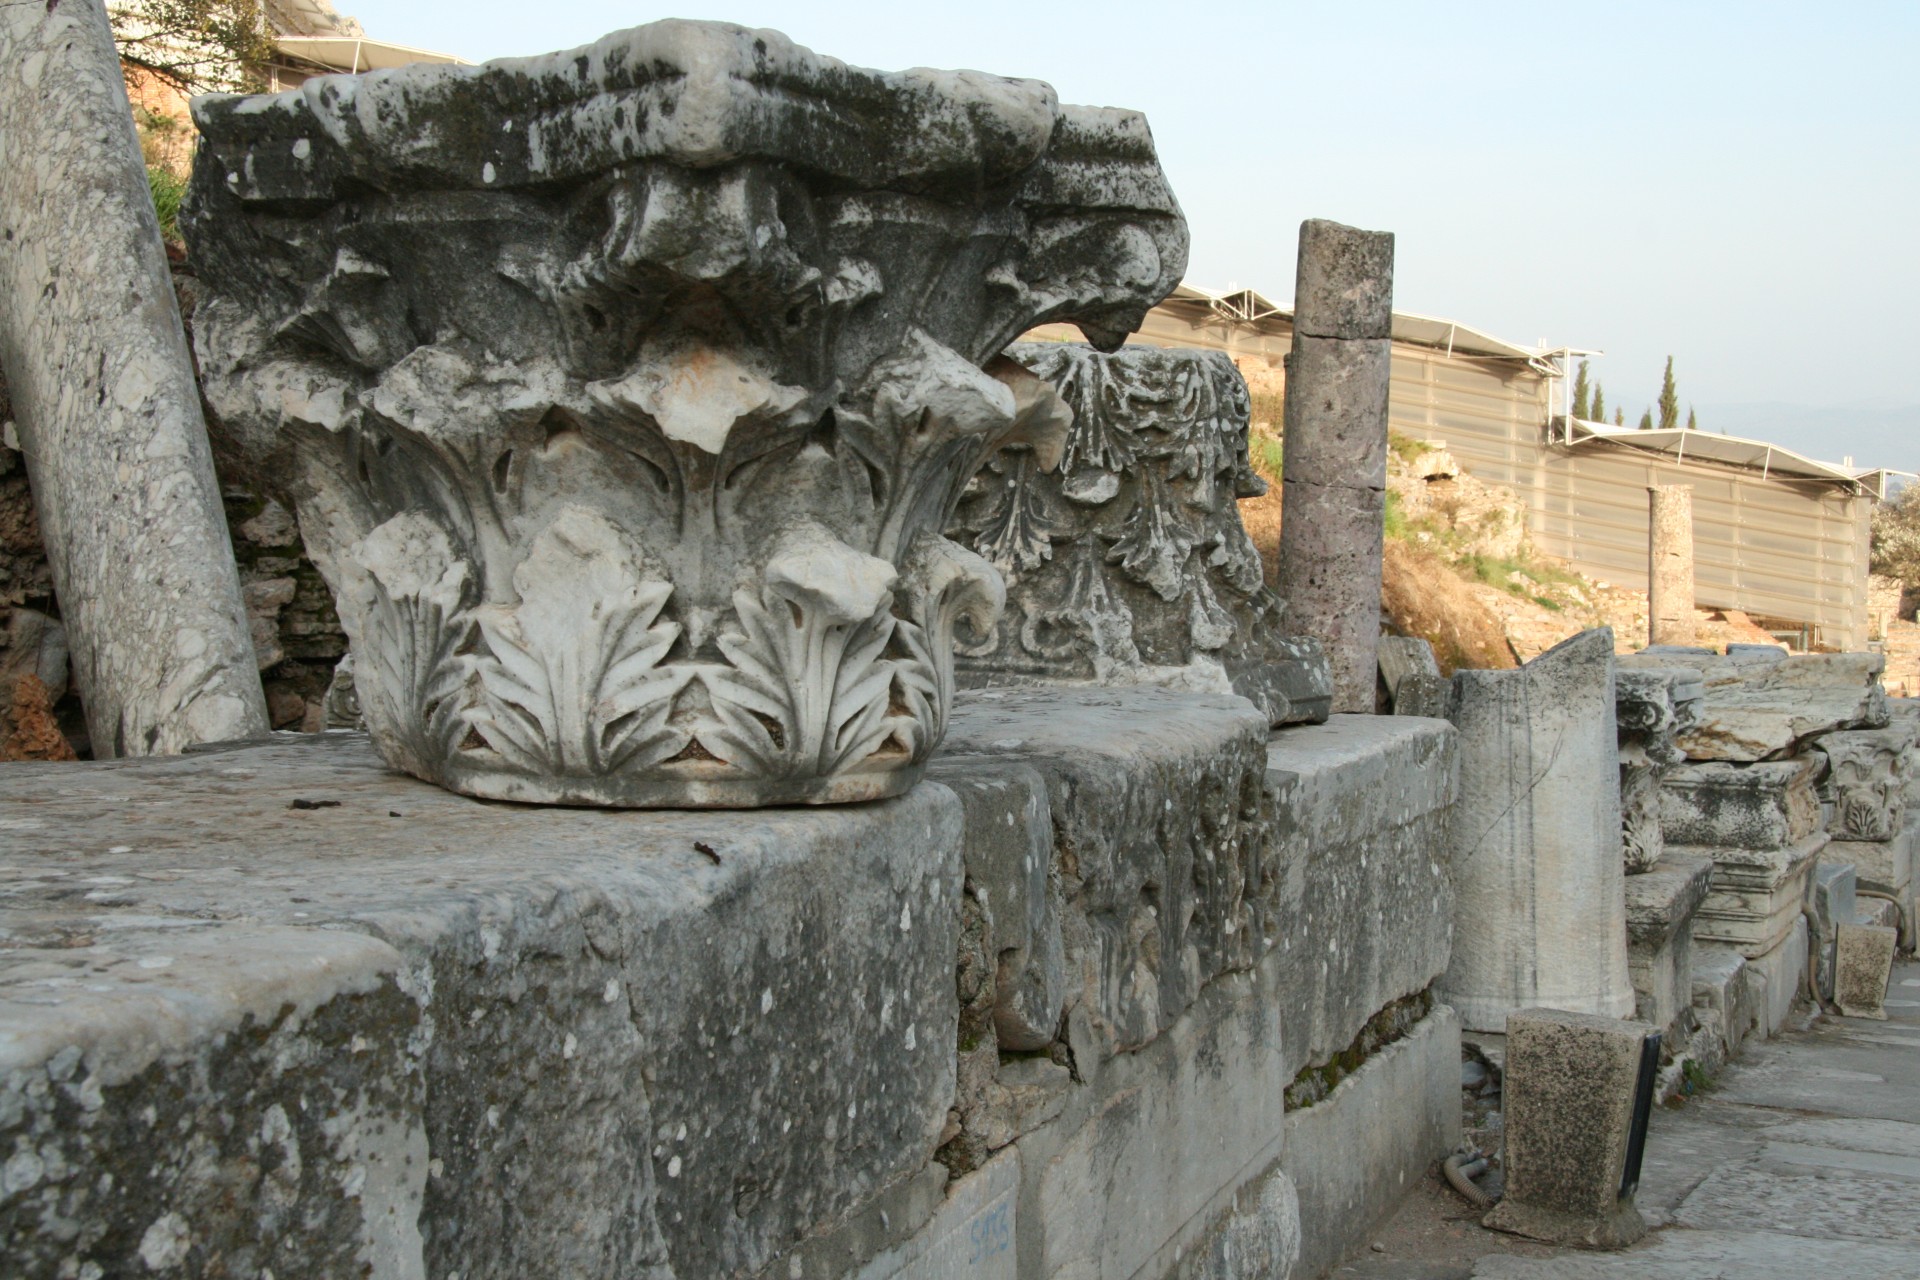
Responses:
[623,393]
[1652,707]
[1865,788]
[1127,563]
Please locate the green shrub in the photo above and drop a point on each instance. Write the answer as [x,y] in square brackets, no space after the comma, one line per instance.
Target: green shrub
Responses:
[168,190]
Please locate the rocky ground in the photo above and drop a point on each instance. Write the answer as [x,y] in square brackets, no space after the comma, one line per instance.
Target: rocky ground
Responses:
[1803,1159]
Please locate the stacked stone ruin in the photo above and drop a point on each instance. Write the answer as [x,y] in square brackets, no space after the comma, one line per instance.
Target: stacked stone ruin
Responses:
[625,398]
[1789,780]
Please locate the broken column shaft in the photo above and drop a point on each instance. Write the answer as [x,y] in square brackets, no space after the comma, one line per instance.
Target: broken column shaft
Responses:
[108,414]
[1670,564]
[1335,467]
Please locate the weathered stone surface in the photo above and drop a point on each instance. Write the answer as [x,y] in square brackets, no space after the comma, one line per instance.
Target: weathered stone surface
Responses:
[1766,805]
[1258,1234]
[1127,563]
[1420,694]
[1128,1184]
[1670,564]
[1832,898]
[1651,707]
[623,393]
[1762,704]
[1887,867]
[1569,1085]
[104,408]
[1354,1154]
[1008,854]
[1866,779]
[1863,959]
[379,1024]
[1744,1254]
[1539,914]
[1756,894]
[1403,656]
[1777,978]
[1358,850]
[1661,904]
[1343,286]
[1334,472]
[970,1236]
[1165,876]
[1724,1002]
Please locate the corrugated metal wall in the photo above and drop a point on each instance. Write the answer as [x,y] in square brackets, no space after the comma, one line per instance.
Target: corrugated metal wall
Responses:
[1776,548]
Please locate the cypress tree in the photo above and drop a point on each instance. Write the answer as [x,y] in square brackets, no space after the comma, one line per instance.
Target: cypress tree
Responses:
[1693,423]
[1599,404]
[1646,420]
[1580,405]
[1619,417]
[1669,400]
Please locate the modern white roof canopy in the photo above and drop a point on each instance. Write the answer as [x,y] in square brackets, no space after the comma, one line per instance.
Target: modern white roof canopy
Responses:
[1249,308]
[1733,451]
[355,53]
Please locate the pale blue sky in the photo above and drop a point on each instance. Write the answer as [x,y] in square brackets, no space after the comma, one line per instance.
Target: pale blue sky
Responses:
[1738,185]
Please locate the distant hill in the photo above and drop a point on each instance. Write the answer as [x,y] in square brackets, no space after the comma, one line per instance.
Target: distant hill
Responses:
[1876,433]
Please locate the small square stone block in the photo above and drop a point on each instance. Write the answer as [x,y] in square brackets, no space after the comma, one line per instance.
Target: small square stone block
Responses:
[1863,961]
[1570,1084]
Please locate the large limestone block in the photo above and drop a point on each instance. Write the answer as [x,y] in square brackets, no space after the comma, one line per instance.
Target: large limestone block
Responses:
[1358,838]
[1756,894]
[1661,905]
[1767,805]
[1570,1083]
[1887,867]
[1761,704]
[1009,863]
[1866,779]
[1174,1132]
[1539,908]
[1355,1154]
[1127,563]
[1160,835]
[282,1007]
[624,393]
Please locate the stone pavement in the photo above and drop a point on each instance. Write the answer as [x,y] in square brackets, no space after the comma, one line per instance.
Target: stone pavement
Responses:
[1803,1160]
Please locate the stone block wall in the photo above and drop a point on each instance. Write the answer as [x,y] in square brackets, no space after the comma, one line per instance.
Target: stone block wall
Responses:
[1091,1001]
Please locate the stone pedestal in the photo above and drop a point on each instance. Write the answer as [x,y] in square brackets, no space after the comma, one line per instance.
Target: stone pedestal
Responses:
[624,393]
[1756,894]
[1670,564]
[1123,551]
[1661,905]
[1570,1084]
[1335,468]
[1540,915]
[1862,962]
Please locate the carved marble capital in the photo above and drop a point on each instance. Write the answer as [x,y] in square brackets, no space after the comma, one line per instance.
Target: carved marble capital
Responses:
[624,393]
[1865,787]
[1653,707]
[1127,563]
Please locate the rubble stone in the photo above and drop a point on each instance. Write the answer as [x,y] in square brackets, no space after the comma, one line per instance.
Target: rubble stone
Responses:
[1126,563]
[623,393]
